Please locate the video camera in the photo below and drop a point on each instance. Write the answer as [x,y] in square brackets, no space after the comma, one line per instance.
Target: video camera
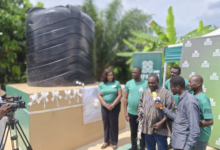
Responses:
[14,105]
[13,124]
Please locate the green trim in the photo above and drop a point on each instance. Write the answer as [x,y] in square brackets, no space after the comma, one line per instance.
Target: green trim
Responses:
[127,146]
[173,54]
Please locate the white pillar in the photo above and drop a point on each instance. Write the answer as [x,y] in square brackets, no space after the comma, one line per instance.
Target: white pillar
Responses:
[164,73]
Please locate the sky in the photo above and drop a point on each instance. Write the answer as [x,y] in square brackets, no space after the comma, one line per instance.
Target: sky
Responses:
[187,13]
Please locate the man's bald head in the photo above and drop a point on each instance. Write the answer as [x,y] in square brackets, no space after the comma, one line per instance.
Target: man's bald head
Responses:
[197,78]
[154,76]
[195,83]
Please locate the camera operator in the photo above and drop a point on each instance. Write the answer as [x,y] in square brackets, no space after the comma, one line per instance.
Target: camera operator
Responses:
[4,109]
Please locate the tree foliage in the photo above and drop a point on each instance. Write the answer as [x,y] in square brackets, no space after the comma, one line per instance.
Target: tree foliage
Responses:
[171,31]
[162,39]
[12,40]
[112,25]
[200,31]
[169,37]
[144,45]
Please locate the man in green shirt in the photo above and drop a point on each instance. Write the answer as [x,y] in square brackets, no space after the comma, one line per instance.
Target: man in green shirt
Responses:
[206,116]
[175,71]
[133,90]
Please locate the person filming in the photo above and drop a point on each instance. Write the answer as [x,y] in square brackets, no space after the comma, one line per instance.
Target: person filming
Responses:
[4,109]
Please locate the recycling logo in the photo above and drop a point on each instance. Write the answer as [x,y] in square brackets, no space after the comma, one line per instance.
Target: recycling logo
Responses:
[141,90]
[216,53]
[188,44]
[147,66]
[147,69]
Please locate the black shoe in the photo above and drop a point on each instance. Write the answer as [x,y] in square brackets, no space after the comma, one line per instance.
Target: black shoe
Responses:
[139,148]
[170,146]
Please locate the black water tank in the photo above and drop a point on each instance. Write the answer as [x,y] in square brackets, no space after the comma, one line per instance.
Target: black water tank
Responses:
[60,47]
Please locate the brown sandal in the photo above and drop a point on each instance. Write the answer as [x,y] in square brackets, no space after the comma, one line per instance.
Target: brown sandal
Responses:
[105,145]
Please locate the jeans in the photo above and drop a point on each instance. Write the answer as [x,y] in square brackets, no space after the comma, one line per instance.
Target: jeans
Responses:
[200,145]
[151,141]
[134,129]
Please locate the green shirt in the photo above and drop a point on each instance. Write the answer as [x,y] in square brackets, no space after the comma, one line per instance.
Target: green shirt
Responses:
[167,86]
[134,89]
[205,113]
[109,91]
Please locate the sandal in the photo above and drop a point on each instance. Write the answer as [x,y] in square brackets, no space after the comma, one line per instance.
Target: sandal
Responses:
[105,145]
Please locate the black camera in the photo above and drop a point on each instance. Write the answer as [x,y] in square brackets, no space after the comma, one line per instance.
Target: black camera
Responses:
[14,105]
[13,124]
[19,104]
[15,98]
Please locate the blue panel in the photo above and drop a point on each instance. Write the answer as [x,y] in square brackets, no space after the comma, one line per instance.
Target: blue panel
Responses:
[173,54]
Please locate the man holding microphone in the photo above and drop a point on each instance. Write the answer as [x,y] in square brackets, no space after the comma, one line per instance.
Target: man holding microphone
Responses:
[186,122]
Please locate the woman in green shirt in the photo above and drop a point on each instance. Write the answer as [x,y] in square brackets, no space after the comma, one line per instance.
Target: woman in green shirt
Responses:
[109,96]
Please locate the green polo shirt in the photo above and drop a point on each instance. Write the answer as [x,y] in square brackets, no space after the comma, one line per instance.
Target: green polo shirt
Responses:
[109,91]
[205,113]
[167,86]
[134,89]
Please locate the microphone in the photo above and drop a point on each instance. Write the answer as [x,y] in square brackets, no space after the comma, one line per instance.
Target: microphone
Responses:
[155,97]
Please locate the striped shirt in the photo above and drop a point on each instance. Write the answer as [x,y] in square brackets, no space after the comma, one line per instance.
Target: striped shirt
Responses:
[152,115]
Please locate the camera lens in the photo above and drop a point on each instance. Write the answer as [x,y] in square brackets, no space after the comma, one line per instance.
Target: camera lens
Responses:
[21,104]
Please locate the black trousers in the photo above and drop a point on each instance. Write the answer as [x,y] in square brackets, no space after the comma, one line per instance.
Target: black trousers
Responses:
[110,123]
[134,129]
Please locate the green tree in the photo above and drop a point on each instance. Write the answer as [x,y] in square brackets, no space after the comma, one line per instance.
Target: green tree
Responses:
[169,37]
[12,40]
[151,43]
[136,45]
[200,31]
[112,25]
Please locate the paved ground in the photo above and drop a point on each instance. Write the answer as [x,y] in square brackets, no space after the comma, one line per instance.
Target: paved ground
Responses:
[124,138]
